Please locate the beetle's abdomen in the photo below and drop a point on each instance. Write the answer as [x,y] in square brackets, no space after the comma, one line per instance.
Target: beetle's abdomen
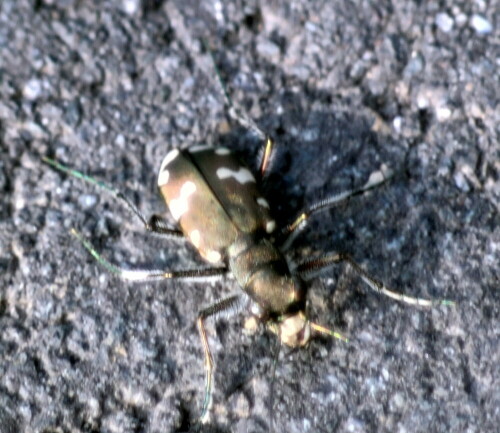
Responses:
[213,197]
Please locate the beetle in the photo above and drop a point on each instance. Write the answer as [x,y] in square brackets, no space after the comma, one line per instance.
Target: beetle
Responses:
[216,201]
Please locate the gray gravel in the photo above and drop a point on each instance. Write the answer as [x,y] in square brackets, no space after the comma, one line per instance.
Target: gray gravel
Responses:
[109,87]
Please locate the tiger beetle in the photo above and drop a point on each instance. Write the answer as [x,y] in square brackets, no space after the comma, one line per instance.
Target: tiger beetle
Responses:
[216,202]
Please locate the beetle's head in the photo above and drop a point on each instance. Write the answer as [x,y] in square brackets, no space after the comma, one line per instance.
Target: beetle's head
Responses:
[295,330]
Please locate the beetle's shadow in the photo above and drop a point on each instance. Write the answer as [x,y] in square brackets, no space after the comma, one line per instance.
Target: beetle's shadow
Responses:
[317,154]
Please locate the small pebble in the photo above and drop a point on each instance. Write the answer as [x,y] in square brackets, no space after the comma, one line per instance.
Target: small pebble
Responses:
[443,114]
[397,123]
[32,89]
[444,22]
[268,49]
[87,201]
[130,6]
[461,182]
[481,25]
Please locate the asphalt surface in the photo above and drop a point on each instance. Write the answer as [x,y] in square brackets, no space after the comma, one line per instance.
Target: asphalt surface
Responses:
[109,87]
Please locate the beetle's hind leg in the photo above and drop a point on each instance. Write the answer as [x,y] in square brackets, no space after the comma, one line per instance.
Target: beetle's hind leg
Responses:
[230,303]
[144,275]
[310,268]
[291,231]
[155,224]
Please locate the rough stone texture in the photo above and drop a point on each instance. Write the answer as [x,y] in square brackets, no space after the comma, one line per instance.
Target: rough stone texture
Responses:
[109,87]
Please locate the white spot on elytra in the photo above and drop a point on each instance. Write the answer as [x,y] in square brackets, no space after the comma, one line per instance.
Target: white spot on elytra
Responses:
[167,160]
[213,256]
[170,157]
[222,151]
[263,202]
[163,177]
[179,206]
[270,226]
[243,175]
[195,238]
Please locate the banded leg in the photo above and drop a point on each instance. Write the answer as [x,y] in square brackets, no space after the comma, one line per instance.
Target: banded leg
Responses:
[155,224]
[292,230]
[237,114]
[151,274]
[229,303]
[322,263]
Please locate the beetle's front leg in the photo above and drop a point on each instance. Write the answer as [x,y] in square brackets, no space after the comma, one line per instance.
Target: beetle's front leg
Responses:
[144,275]
[309,268]
[267,149]
[229,303]
[237,114]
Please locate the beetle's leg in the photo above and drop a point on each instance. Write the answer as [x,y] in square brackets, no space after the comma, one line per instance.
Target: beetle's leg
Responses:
[266,152]
[151,274]
[155,224]
[234,112]
[221,305]
[311,267]
[245,121]
[266,156]
[292,230]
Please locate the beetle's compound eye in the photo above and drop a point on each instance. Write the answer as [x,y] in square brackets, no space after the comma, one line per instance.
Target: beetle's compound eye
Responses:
[295,330]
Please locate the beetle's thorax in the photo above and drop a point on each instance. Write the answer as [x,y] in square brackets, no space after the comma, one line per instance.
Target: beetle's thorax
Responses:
[263,273]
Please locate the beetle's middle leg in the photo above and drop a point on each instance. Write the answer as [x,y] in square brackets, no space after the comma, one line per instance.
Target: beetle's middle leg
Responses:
[291,231]
[309,268]
[155,224]
[148,275]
